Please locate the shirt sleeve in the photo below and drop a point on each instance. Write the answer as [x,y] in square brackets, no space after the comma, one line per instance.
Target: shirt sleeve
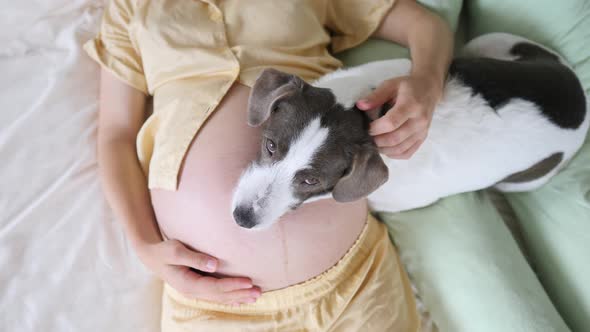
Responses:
[113,49]
[354,21]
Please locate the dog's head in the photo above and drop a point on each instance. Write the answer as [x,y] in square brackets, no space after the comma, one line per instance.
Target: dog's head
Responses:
[311,148]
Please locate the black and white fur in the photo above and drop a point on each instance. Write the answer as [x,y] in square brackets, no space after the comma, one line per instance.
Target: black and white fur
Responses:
[512,115]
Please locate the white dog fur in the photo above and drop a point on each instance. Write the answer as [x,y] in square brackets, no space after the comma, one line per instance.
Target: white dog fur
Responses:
[470,145]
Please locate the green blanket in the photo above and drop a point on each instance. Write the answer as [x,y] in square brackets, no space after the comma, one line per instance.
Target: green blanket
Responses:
[468,269]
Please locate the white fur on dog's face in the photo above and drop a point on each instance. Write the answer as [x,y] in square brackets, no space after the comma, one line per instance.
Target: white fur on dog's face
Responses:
[311,148]
[265,192]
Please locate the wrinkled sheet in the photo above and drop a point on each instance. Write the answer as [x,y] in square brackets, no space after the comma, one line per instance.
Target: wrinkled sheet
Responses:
[64,263]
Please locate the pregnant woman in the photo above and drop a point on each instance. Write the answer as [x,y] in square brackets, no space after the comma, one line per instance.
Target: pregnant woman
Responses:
[169,175]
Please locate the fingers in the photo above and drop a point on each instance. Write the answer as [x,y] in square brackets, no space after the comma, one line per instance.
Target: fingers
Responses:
[219,290]
[179,254]
[383,93]
[402,142]
[393,138]
[241,296]
[222,290]
[391,121]
[227,290]
[410,152]
[401,131]
[229,284]
[405,149]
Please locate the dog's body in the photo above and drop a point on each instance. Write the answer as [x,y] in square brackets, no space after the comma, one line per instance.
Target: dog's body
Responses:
[514,144]
[511,116]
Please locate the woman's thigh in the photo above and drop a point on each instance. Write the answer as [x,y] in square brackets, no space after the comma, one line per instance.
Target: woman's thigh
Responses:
[469,271]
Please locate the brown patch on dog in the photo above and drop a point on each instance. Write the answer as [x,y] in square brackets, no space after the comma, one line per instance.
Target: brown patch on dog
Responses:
[367,173]
[536,171]
[269,89]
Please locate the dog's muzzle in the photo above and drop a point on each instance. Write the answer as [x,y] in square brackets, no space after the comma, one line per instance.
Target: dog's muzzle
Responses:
[245,216]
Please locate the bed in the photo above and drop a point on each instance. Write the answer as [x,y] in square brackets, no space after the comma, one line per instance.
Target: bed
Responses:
[64,262]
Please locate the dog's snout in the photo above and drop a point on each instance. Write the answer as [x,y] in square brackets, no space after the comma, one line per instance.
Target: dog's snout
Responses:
[245,217]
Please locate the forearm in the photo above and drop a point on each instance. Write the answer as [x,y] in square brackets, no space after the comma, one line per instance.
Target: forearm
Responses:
[428,37]
[431,46]
[121,114]
[401,131]
[126,189]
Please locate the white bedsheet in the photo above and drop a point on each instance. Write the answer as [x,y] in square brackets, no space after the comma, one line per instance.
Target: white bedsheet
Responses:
[64,263]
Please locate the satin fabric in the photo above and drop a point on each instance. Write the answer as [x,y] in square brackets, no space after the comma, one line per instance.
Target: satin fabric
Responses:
[187,54]
[367,290]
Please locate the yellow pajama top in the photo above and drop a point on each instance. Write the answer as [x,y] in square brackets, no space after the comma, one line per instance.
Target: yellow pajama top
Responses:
[188,53]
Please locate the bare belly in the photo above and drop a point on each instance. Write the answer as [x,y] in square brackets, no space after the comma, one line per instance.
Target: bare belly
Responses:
[302,245]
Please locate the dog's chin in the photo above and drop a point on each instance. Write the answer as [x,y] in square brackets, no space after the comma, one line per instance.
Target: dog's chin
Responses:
[273,215]
[261,227]
[269,220]
[258,224]
[316,198]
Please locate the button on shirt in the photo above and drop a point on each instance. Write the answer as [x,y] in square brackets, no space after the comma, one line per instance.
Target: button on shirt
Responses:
[187,54]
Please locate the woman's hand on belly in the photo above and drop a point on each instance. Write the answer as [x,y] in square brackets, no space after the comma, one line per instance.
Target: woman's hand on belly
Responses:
[303,244]
[177,265]
[121,114]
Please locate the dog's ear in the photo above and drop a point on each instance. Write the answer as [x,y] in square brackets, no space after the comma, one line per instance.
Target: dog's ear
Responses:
[367,173]
[270,87]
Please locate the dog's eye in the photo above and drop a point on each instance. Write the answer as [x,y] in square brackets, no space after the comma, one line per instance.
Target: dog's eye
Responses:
[311,181]
[271,147]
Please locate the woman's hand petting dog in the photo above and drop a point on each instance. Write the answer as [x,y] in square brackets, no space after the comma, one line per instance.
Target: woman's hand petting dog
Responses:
[177,265]
[400,132]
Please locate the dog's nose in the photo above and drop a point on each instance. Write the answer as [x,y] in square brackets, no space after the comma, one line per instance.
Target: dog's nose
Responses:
[244,216]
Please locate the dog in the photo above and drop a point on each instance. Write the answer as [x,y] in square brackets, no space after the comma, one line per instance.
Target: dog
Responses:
[513,113]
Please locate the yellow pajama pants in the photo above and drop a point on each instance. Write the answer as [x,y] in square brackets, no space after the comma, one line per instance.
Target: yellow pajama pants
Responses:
[367,290]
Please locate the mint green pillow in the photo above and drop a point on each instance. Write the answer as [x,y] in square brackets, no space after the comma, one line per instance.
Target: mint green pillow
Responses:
[458,250]
[555,220]
[562,25]
[376,49]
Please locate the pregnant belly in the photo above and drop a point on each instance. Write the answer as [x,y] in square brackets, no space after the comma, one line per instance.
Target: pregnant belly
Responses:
[303,244]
